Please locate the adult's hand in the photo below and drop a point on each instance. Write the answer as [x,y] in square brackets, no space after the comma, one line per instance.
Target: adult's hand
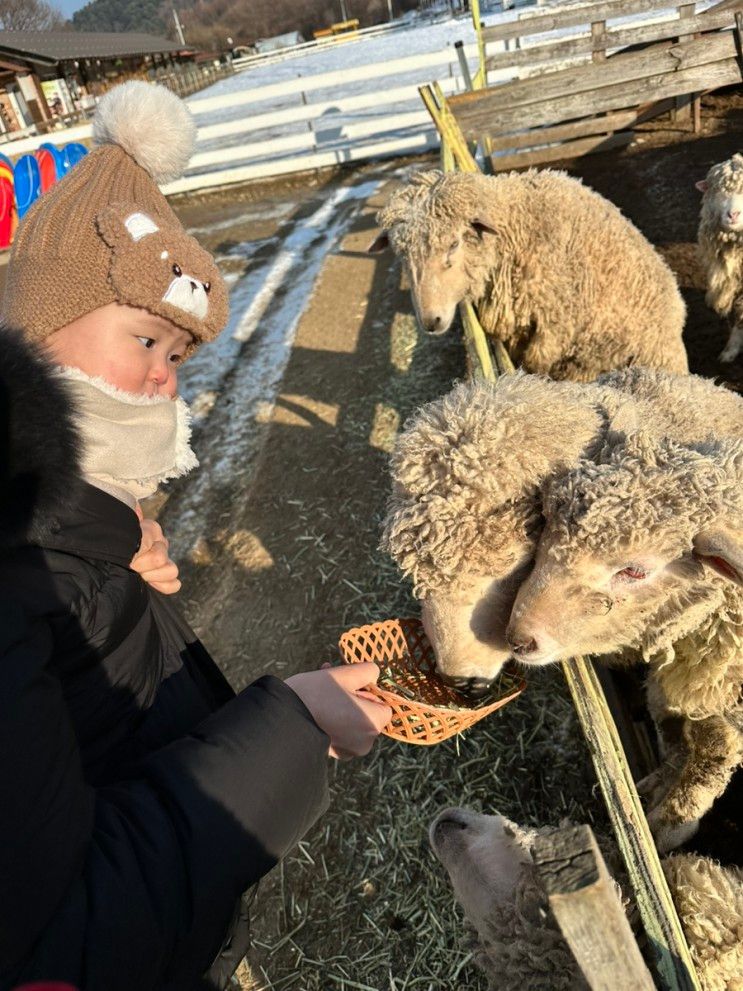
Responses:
[352,717]
[152,561]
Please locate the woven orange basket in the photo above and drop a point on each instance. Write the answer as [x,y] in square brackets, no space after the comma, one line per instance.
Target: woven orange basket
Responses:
[424,710]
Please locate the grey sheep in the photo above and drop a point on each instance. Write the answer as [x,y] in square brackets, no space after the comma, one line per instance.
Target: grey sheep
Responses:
[559,275]
[720,240]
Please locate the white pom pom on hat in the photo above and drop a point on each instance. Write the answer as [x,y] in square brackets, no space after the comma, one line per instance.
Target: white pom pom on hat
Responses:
[151,124]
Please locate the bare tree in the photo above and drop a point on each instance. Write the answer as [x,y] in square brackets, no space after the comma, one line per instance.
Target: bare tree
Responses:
[29,15]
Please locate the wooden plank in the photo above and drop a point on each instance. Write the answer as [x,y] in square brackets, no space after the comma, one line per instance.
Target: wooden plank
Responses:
[612,38]
[556,152]
[598,50]
[571,17]
[475,120]
[682,112]
[588,910]
[659,60]
[448,128]
[620,120]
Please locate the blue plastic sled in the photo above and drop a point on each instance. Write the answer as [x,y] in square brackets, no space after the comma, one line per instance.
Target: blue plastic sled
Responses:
[27,182]
[72,153]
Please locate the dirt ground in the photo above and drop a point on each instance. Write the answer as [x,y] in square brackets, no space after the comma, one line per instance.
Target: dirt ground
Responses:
[286,560]
[277,541]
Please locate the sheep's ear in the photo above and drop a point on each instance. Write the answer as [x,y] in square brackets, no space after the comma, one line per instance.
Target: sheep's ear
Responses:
[722,550]
[480,227]
[379,244]
[702,185]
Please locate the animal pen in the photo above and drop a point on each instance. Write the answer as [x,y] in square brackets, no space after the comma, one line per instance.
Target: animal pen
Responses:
[626,75]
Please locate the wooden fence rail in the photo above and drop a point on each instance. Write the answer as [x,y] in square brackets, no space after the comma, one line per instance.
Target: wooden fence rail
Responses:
[629,73]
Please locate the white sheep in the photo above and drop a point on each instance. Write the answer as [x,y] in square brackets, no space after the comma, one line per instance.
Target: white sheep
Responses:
[464,515]
[517,942]
[720,241]
[559,275]
[642,556]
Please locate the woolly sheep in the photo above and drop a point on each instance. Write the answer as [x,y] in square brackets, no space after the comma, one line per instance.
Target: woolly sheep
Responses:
[464,516]
[517,942]
[642,554]
[569,285]
[720,241]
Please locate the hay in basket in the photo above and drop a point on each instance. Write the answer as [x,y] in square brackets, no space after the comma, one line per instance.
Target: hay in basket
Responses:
[424,710]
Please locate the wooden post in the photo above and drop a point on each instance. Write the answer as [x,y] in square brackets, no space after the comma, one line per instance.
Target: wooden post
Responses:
[683,111]
[481,77]
[586,905]
[598,41]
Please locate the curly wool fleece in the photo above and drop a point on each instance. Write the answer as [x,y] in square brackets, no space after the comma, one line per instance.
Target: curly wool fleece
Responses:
[568,284]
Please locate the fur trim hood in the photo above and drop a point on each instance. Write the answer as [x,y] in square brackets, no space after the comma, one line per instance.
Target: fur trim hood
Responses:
[39,446]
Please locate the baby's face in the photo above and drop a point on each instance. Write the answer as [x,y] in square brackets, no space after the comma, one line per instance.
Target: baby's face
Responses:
[130,348]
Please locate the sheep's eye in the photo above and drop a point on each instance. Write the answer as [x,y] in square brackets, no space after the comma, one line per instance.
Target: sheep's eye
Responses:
[632,574]
[453,246]
[177,270]
[207,286]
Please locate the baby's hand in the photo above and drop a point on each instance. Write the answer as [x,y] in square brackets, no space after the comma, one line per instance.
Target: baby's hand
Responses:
[151,560]
[352,717]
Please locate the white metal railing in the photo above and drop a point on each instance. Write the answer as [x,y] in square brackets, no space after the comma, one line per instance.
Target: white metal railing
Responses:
[356,117]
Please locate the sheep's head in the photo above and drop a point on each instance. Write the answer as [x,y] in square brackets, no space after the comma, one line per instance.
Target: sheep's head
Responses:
[464,516]
[722,206]
[636,551]
[435,224]
[483,856]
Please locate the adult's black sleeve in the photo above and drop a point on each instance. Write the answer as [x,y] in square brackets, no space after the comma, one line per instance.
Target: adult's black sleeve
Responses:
[133,885]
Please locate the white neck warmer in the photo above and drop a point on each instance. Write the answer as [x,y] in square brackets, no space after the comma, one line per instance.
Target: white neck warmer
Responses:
[131,443]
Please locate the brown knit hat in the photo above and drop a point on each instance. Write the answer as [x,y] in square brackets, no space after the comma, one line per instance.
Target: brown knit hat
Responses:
[106,233]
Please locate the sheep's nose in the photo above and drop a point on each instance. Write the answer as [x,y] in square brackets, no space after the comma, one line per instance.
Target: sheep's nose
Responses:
[521,645]
[473,687]
[733,215]
[449,819]
[434,326]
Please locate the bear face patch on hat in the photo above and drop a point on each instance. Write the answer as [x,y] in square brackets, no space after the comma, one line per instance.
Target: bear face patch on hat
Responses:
[156,265]
[105,232]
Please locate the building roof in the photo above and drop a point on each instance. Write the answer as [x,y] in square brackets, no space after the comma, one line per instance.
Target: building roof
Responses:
[50,47]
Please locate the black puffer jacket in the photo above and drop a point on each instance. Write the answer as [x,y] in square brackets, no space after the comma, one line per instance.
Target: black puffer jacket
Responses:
[138,796]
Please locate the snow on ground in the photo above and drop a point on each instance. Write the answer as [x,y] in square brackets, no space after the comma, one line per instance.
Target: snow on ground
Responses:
[334,129]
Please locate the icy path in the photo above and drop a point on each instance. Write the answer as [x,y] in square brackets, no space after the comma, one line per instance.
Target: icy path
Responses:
[232,382]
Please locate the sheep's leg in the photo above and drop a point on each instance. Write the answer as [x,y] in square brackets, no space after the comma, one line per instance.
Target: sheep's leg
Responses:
[714,750]
[546,348]
[670,728]
[734,345]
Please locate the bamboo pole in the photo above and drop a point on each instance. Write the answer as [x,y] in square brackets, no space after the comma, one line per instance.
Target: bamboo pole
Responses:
[672,964]
[480,79]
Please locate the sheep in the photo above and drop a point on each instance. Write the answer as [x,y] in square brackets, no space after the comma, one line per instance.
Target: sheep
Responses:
[517,942]
[641,556]
[558,274]
[720,242]
[464,515]
[464,518]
